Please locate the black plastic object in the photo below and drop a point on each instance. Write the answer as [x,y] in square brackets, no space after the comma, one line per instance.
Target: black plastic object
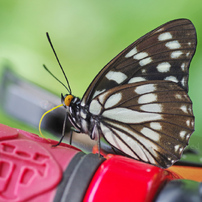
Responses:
[77,177]
[181,191]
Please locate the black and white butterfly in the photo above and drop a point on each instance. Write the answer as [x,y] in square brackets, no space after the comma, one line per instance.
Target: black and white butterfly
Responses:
[138,102]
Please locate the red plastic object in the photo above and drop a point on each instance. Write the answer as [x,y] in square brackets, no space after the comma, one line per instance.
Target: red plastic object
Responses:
[123,179]
[30,168]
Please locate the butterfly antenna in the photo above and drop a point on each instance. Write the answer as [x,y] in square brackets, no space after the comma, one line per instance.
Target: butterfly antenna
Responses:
[55,78]
[69,90]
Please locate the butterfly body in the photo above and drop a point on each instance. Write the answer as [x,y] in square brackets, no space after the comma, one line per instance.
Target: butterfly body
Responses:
[81,119]
[138,102]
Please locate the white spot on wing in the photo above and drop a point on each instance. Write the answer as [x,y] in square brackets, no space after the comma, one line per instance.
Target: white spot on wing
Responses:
[152,108]
[95,107]
[183,66]
[177,147]
[97,92]
[145,61]
[190,109]
[147,98]
[136,79]
[130,116]
[176,54]
[173,44]
[183,81]
[178,96]
[188,136]
[118,77]
[192,123]
[150,134]
[159,30]
[113,100]
[180,150]
[173,161]
[187,54]
[188,122]
[103,97]
[184,109]
[140,55]
[164,36]
[147,88]
[163,67]
[155,125]
[171,78]
[182,134]
[131,53]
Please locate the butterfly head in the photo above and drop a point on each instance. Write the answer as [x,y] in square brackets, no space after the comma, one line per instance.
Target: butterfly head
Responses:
[66,100]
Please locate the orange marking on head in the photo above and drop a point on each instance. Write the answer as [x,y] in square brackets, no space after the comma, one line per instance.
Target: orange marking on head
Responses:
[68,100]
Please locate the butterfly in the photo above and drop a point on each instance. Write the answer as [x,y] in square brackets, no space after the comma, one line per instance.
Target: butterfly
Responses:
[138,102]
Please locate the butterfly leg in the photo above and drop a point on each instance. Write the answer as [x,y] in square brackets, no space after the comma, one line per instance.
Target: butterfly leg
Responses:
[95,135]
[98,141]
[70,137]
[71,134]
[99,146]
[63,132]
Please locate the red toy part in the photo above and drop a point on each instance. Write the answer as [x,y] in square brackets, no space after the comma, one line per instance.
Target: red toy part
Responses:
[31,170]
[122,179]
[30,166]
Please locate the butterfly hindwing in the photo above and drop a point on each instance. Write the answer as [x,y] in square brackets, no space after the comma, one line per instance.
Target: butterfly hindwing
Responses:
[162,54]
[150,121]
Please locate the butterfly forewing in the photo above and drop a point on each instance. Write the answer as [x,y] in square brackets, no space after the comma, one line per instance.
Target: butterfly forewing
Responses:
[162,54]
[150,121]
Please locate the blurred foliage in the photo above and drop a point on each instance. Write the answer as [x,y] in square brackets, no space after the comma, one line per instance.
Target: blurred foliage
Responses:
[86,36]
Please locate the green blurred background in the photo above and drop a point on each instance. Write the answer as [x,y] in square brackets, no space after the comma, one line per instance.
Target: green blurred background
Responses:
[86,36]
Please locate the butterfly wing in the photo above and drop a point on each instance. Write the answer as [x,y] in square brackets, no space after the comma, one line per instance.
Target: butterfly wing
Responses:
[150,121]
[162,54]
[139,99]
